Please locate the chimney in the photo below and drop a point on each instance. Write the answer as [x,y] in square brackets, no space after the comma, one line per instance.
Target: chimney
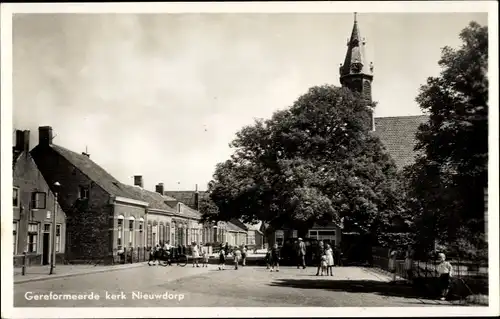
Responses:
[45,135]
[160,189]
[197,199]
[22,141]
[138,181]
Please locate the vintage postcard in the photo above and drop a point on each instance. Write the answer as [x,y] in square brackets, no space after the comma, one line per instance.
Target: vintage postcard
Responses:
[249,159]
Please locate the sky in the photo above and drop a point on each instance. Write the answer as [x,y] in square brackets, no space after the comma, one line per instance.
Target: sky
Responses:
[162,95]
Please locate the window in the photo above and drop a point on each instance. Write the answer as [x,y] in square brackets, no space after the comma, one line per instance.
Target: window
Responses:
[58,238]
[161,234]
[141,233]
[150,236]
[83,192]
[251,239]
[32,238]
[14,233]
[15,197]
[131,232]
[167,236]
[325,235]
[46,228]
[38,200]
[119,243]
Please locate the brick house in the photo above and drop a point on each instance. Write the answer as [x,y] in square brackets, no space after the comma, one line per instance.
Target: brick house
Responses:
[233,232]
[105,216]
[33,206]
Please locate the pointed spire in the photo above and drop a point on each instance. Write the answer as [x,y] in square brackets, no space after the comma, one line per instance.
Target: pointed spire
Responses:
[355,60]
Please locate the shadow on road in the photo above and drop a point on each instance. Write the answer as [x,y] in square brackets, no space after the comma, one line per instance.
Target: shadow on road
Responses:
[355,286]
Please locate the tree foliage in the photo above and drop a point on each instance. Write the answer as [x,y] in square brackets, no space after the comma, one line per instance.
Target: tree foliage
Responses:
[316,161]
[447,182]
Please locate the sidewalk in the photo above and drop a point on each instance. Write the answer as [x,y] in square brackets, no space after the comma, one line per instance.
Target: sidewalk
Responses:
[39,273]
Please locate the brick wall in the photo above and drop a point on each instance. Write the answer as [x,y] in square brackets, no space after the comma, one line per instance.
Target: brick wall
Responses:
[28,179]
[88,235]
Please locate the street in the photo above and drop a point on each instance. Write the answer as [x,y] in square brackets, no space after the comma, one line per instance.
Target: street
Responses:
[159,286]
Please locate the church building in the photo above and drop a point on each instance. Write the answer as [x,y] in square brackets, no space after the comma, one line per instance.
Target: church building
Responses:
[397,133]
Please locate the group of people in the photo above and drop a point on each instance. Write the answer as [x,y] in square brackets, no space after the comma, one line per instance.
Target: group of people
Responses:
[444,269]
[239,254]
[322,256]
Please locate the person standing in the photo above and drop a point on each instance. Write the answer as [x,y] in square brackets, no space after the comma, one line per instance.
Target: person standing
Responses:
[226,248]
[204,255]
[320,251]
[301,254]
[267,259]
[409,263]
[275,258]
[393,253]
[244,251]
[237,257]
[329,259]
[222,259]
[445,271]
[195,251]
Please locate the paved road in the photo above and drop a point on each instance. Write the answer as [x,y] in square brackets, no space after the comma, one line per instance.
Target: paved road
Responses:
[205,287]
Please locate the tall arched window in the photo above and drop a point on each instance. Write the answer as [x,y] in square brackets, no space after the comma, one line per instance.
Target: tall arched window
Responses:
[167,235]
[119,232]
[140,241]
[173,234]
[160,234]
[131,231]
[154,233]
[149,232]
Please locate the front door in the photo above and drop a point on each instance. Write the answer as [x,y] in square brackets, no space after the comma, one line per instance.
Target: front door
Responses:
[46,249]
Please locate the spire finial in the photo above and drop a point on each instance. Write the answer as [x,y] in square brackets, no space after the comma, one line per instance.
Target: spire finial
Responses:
[355,19]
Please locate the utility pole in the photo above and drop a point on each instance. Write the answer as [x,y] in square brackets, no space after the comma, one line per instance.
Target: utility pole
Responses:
[53,255]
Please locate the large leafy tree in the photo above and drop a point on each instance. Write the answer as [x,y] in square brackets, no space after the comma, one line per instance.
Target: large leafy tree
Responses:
[448,180]
[314,162]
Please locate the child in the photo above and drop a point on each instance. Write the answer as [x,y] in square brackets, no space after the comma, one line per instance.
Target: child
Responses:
[222,259]
[244,255]
[204,254]
[195,252]
[324,265]
[152,256]
[275,258]
[267,259]
[329,259]
[237,257]
[445,271]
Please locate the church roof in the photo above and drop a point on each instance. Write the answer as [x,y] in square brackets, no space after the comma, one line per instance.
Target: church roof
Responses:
[397,134]
[355,55]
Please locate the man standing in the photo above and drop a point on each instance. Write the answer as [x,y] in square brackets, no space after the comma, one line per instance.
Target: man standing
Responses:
[167,247]
[301,254]
[320,251]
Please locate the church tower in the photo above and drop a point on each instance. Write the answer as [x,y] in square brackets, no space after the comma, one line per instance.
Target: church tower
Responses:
[356,74]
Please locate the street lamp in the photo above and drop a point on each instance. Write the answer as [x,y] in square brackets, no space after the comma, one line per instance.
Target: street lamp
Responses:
[53,255]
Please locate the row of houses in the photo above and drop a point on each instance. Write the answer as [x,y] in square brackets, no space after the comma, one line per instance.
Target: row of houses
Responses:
[97,216]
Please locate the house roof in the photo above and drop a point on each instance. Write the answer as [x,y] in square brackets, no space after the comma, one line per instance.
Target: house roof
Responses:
[186,197]
[230,226]
[111,185]
[397,134]
[187,211]
[254,226]
[155,200]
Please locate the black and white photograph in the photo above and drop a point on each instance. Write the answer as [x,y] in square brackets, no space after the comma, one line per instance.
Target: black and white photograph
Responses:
[230,159]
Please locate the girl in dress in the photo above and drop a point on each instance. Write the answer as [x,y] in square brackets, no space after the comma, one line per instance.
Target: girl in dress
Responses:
[329,259]
[222,259]
[195,254]
[204,254]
